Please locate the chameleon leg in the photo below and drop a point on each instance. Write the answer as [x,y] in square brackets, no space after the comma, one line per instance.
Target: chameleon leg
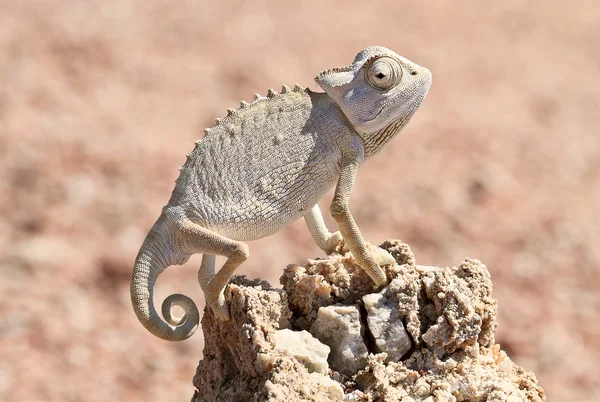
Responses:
[358,246]
[340,211]
[207,269]
[323,237]
[201,240]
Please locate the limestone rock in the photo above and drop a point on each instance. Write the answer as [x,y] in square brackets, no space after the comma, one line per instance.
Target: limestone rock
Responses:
[241,362]
[305,348]
[336,279]
[465,310]
[385,324]
[333,388]
[448,314]
[339,327]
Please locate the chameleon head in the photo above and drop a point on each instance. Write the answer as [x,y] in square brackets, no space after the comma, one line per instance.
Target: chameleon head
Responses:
[378,93]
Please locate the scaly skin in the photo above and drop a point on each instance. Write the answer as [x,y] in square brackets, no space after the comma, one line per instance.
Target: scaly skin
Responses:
[267,164]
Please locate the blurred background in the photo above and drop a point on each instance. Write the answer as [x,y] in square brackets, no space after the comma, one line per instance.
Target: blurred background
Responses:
[100,102]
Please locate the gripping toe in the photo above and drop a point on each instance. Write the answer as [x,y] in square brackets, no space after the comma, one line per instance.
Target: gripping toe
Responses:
[220,309]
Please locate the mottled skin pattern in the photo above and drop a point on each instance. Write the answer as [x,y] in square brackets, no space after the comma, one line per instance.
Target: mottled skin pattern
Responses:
[280,155]
[267,164]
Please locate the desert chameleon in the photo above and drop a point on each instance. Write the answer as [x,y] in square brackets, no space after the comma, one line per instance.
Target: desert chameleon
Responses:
[267,164]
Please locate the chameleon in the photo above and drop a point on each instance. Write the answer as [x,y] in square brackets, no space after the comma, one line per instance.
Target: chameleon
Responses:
[267,164]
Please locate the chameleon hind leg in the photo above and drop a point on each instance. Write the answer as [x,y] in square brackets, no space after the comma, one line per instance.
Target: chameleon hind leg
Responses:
[201,240]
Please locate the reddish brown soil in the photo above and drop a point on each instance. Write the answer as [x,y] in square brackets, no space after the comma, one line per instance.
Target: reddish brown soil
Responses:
[100,104]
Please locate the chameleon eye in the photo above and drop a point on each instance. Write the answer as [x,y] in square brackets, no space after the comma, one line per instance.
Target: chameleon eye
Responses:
[383,72]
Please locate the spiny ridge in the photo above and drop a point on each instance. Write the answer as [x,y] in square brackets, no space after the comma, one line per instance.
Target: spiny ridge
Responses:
[334,70]
[257,99]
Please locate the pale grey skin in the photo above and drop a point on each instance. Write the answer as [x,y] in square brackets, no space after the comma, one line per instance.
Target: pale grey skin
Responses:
[269,163]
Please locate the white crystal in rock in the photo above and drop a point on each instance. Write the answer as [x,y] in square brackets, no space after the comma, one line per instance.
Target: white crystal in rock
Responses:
[339,327]
[305,348]
[385,325]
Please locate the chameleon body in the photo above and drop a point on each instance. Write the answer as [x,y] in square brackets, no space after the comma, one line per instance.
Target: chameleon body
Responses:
[268,164]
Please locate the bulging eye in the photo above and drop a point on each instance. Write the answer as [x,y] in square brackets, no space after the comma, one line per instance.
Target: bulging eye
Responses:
[384,72]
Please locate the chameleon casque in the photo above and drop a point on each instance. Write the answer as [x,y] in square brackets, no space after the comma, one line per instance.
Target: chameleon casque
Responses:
[267,164]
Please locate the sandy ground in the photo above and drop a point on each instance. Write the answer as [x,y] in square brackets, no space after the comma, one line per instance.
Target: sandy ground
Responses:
[100,104]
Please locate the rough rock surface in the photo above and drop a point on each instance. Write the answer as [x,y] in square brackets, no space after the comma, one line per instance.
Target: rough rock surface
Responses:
[242,361]
[448,313]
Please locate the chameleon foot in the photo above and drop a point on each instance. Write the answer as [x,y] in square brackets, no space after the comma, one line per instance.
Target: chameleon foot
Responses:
[381,256]
[334,242]
[219,308]
[372,260]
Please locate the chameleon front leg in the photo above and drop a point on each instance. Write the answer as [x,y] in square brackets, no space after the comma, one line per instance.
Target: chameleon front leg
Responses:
[340,211]
[326,240]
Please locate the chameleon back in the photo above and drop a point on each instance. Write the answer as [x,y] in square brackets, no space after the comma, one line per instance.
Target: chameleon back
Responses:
[264,165]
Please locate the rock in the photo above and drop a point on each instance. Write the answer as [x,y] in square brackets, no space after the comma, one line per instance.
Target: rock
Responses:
[305,348]
[463,302]
[339,328]
[337,280]
[265,354]
[241,362]
[385,324]
[333,388]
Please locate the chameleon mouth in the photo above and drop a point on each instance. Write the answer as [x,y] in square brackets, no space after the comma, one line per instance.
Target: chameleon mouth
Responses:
[377,115]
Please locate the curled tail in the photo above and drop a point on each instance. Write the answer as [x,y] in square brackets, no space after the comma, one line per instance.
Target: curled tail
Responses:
[157,253]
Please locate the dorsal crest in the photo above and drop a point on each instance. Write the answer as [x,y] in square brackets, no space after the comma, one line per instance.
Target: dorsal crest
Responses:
[246,107]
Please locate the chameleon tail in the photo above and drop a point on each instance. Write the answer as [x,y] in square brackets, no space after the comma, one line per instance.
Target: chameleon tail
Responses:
[156,254]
